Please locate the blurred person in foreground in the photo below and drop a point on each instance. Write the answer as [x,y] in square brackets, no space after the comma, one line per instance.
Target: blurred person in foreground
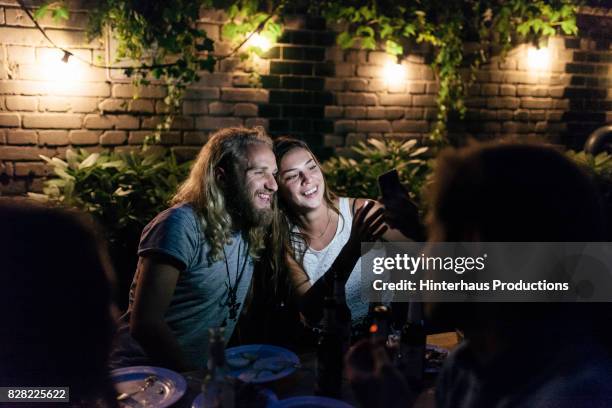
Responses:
[55,304]
[519,354]
[196,258]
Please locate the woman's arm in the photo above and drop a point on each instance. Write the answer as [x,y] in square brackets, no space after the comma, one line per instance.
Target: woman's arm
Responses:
[157,277]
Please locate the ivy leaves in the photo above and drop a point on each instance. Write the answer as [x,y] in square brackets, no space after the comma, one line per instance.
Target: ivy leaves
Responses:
[161,40]
[57,9]
[247,17]
[164,41]
[447,26]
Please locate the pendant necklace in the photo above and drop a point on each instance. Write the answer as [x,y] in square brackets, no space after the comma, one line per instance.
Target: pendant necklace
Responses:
[232,289]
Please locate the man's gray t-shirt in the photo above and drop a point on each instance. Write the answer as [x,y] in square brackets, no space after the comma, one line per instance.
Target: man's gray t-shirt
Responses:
[201,298]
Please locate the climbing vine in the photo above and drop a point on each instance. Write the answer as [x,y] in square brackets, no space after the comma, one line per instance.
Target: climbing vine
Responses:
[447,26]
[164,38]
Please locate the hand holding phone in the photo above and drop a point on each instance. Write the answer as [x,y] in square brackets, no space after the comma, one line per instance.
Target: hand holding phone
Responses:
[390,186]
[400,211]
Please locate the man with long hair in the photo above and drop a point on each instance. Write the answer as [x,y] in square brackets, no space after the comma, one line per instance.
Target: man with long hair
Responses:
[196,258]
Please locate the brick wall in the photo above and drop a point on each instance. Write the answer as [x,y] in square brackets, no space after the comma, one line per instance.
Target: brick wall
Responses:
[309,88]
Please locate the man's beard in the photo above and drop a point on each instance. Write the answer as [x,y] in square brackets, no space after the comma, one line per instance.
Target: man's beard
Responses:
[242,209]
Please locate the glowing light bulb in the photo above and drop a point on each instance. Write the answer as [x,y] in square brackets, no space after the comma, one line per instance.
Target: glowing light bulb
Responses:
[259,41]
[60,70]
[538,58]
[61,73]
[394,74]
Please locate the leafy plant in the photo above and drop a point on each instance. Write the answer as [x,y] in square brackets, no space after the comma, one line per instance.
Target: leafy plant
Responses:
[123,191]
[447,26]
[164,40]
[599,165]
[57,9]
[359,177]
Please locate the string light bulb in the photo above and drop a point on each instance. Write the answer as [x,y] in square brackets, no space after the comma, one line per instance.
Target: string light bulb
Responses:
[66,57]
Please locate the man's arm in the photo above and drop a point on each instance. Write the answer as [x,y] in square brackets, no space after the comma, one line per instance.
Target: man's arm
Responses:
[157,277]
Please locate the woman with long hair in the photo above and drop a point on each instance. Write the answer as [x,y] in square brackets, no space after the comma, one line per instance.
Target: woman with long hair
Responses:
[325,231]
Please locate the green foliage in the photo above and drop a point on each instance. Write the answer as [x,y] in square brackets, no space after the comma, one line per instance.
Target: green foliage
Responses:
[161,39]
[246,19]
[359,177]
[446,26]
[123,191]
[600,165]
[251,16]
[57,9]
[164,39]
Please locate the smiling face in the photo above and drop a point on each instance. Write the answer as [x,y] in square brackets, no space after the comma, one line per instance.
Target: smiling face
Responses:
[259,175]
[301,182]
[253,186]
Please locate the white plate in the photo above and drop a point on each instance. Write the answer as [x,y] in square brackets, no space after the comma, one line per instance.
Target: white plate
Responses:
[168,389]
[271,398]
[311,402]
[260,363]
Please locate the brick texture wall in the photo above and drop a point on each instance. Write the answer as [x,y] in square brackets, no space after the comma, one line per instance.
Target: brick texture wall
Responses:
[309,88]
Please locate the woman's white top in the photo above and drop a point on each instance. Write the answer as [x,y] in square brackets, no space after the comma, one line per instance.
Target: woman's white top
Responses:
[316,263]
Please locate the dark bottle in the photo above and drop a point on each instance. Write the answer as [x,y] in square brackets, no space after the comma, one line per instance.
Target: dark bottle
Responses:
[381,321]
[330,353]
[343,313]
[413,340]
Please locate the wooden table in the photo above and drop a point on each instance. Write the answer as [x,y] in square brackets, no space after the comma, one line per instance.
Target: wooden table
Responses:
[448,340]
[302,381]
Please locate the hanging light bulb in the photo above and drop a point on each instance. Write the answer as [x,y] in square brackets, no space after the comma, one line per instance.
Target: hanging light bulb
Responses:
[61,71]
[67,55]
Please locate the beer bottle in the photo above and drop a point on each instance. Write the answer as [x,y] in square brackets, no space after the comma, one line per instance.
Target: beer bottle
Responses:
[343,313]
[412,346]
[380,327]
[330,353]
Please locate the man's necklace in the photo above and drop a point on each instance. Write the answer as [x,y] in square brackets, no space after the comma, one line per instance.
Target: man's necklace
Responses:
[232,290]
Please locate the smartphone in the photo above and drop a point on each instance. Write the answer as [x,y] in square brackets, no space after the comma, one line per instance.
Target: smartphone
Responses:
[390,185]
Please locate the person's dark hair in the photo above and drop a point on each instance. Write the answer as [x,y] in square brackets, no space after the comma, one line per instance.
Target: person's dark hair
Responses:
[55,302]
[514,192]
[511,192]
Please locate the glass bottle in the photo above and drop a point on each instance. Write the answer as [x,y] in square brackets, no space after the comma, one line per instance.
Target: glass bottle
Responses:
[330,353]
[217,387]
[343,313]
[381,324]
[413,346]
